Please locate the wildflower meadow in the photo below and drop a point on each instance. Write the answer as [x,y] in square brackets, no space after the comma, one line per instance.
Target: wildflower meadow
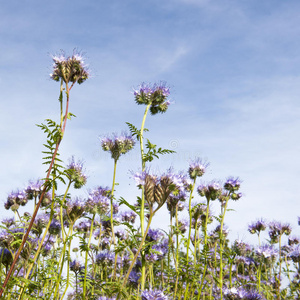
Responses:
[104,247]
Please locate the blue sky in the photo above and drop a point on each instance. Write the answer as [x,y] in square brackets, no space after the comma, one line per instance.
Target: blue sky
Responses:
[233,68]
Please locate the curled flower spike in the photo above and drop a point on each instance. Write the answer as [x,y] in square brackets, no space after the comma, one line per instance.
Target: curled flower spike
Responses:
[117,145]
[155,94]
[69,69]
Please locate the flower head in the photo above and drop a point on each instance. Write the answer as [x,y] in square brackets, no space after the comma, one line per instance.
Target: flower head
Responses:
[34,189]
[153,295]
[15,199]
[117,145]
[76,266]
[75,209]
[155,94]
[211,191]
[295,254]
[76,173]
[277,229]
[232,184]
[266,251]
[197,168]
[69,69]
[257,227]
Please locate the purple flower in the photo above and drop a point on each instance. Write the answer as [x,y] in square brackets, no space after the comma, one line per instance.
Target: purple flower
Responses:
[128,216]
[295,254]
[105,258]
[98,201]
[75,208]
[40,223]
[76,266]
[154,235]
[34,189]
[241,248]
[76,173]
[241,293]
[197,168]
[183,225]
[134,278]
[266,251]
[232,184]
[69,69]
[211,191]
[55,227]
[277,229]
[84,226]
[293,240]
[8,222]
[155,94]
[258,226]
[139,178]
[118,145]
[153,295]
[15,199]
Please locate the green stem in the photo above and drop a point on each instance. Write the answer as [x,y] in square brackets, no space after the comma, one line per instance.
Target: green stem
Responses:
[190,227]
[111,218]
[62,258]
[221,248]
[86,256]
[68,265]
[142,212]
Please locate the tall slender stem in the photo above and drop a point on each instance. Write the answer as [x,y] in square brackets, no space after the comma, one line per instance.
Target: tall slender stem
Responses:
[190,227]
[86,256]
[142,212]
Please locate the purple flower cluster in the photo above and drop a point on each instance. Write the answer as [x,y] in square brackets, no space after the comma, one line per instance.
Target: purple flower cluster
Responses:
[76,173]
[267,252]
[154,295]
[98,201]
[118,145]
[257,227]
[211,191]
[276,230]
[69,69]
[241,293]
[15,199]
[154,95]
[197,168]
